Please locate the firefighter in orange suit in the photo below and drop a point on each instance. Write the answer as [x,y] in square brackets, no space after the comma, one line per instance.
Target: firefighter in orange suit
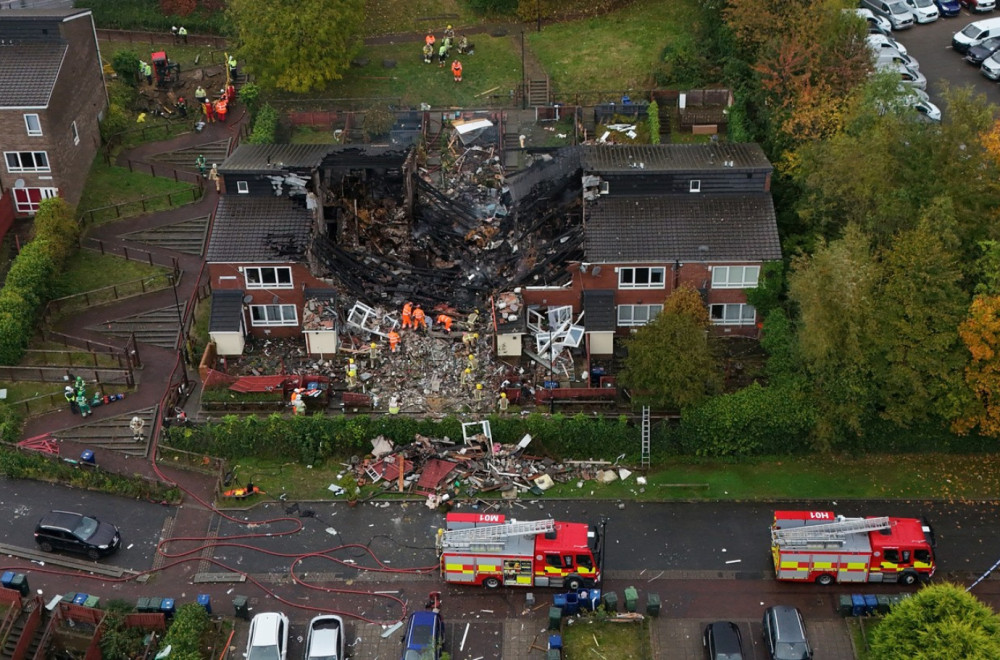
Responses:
[456,70]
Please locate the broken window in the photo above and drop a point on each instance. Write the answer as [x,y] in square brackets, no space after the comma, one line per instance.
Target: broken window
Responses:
[641,278]
[268,277]
[273,315]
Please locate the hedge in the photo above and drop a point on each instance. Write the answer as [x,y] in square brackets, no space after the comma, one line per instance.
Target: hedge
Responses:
[186,631]
[265,126]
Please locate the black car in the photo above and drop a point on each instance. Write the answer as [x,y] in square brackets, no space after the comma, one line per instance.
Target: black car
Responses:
[977,54]
[723,641]
[73,532]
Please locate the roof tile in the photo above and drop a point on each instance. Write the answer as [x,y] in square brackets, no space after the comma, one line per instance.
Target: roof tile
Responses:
[259,229]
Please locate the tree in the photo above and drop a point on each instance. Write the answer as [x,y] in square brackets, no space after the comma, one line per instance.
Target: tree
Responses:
[981,334]
[126,66]
[833,291]
[940,622]
[297,45]
[671,363]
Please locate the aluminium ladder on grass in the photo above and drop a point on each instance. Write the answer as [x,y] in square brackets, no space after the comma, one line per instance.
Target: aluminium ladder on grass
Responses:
[645,437]
[835,532]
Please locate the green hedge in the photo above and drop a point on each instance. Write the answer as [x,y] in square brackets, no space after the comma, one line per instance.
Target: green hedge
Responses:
[186,632]
[265,126]
[313,438]
[147,15]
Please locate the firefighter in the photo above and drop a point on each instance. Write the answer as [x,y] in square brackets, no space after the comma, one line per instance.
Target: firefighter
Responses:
[373,354]
[466,377]
[407,315]
[473,362]
[456,70]
[221,109]
[503,403]
[182,107]
[449,33]
[137,425]
[352,373]
[393,341]
[231,94]
[298,403]
[463,45]
[209,110]
[445,320]
[419,319]
[473,319]
[479,391]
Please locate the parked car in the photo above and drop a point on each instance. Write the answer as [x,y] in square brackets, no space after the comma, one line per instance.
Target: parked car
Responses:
[877,41]
[74,532]
[896,11]
[974,34]
[948,8]
[906,75]
[927,109]
[424,639]
[978,5]
[785,634]
[991,67]
[876,24]
[325,640]
[925,11]
[268,639]
[723,641]
[978,53]
[887,56]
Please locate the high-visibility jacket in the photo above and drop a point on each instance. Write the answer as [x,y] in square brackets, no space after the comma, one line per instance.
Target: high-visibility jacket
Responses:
[456,68]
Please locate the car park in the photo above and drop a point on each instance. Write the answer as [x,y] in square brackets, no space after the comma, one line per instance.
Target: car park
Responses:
[948,8]
[924,11]
[74,532]
[906,74]
[978,53]
[974,34]
[895,11]
[268,638]
[877,41]
[424,638]
[978,5]
[785,634]
[723,641]
[325,639]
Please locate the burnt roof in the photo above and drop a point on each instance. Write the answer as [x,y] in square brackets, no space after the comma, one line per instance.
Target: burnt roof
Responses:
[227,310]
[733,227]
[259,229]
[28,73]
[599,310]
[274,157]
[674,157]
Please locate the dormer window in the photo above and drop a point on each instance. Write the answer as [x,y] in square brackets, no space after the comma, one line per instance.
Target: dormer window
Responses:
[694,186]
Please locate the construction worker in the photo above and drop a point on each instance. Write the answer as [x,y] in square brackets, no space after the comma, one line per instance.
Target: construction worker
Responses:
[442,55]
[173,31]
[428,53]
[445,320]
[221,108]
[373,354]
[70,396]
[456,70]
[146,71]
[200,162]
[182,31]
[393,341]
[473,362]
[503,403]
[419,319]
[232,67]
[407,315]
[200,95]
[466,377]
[298,403]
[479,391]
[429,40]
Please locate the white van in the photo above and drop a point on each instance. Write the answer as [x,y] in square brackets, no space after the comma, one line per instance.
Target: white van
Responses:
[975,33]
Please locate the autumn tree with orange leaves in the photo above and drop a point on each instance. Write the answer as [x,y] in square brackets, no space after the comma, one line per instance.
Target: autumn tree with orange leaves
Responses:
[981,334]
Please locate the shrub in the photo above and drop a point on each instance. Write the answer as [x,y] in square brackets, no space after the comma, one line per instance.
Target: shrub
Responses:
[32,273]
[209,18]
[55,220]
[680,66]
[250,98]
[116,120]
[265,126]
[186,631]
[654,122]
[11,422]
[126,66]
[378,121]
[494,6]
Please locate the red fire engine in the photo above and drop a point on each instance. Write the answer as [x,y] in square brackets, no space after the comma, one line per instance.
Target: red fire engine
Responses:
[818,546]
[487,549]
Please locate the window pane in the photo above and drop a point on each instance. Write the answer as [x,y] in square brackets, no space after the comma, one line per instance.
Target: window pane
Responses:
[12,161]
[641,313]
[717,312]
[656,276]
[284,276]
[735,275]
[751,276]
[642,276]
[257,313]
[627,276]
[288,313]
[267,276]
[654,311]
[273,312]
[749,313]
[253,275]
[719,275]
[732,312]
[624,313]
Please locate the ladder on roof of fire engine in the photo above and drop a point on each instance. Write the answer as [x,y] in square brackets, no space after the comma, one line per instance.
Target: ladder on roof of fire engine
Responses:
[829,533]
[463,538]
[645,436]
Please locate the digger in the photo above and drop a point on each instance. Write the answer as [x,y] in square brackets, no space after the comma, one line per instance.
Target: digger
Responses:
[166,72]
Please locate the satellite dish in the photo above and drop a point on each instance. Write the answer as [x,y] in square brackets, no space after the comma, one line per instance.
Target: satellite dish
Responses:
[247,299]
[596,271]
[19,183]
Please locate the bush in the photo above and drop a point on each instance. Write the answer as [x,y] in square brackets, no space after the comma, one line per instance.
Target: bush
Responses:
[55,219]
[11,423]
[184,636]
[147,15]
[249,95]
[654,122]
[265,126]
[126,66]
[754,421]
[116,120]
[680,67]
[378,121]
[494,6]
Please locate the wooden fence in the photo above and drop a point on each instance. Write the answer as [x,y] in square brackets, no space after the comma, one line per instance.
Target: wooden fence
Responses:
[99,376]
[144,37]
[130,349]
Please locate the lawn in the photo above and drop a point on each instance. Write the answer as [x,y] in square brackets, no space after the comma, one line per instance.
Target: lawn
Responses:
[411,82]
[183,55]
[399,16]
[594,638]
[109,184]
[614,52]
[88,270]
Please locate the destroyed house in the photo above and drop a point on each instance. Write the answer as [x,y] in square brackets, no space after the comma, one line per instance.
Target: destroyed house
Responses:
[275,213]
[656,217]
[52,96]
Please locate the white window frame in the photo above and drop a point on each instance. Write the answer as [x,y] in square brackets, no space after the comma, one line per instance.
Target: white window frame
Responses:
[243,187]
[627,317]
[728,318]
[29,206]
[694,186]
[622,284]
[263,282]
[735,277]
[76,133]
[33,132]
[21,167]
[274,315]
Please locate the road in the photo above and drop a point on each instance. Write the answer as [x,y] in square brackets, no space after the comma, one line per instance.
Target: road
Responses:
[931,45]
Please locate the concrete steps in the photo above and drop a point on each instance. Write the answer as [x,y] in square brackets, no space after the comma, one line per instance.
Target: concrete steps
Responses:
[214,152]
[187,236]
[159,327]
[113,433]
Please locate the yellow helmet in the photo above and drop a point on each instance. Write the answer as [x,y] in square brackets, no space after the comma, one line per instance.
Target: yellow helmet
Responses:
[503,395]
[449,27]
[479,386]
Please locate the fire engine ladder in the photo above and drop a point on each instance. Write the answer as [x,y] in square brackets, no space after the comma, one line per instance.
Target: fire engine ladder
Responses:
[645,437]
[464,538]
[829,533]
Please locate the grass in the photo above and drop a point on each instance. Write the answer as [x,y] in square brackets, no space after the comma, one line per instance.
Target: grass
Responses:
[28,390]
[88,270]
[108,185]
[861,632]
[495,65]
[614,52]
[45,353]
[622,641]
[301,483]
[310,135]
[398,16]
[185,55]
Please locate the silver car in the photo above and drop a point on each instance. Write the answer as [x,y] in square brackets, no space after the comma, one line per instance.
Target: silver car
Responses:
[325,640]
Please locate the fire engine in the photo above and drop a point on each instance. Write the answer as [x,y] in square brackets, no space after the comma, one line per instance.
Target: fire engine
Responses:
[487,549]
[820,547]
